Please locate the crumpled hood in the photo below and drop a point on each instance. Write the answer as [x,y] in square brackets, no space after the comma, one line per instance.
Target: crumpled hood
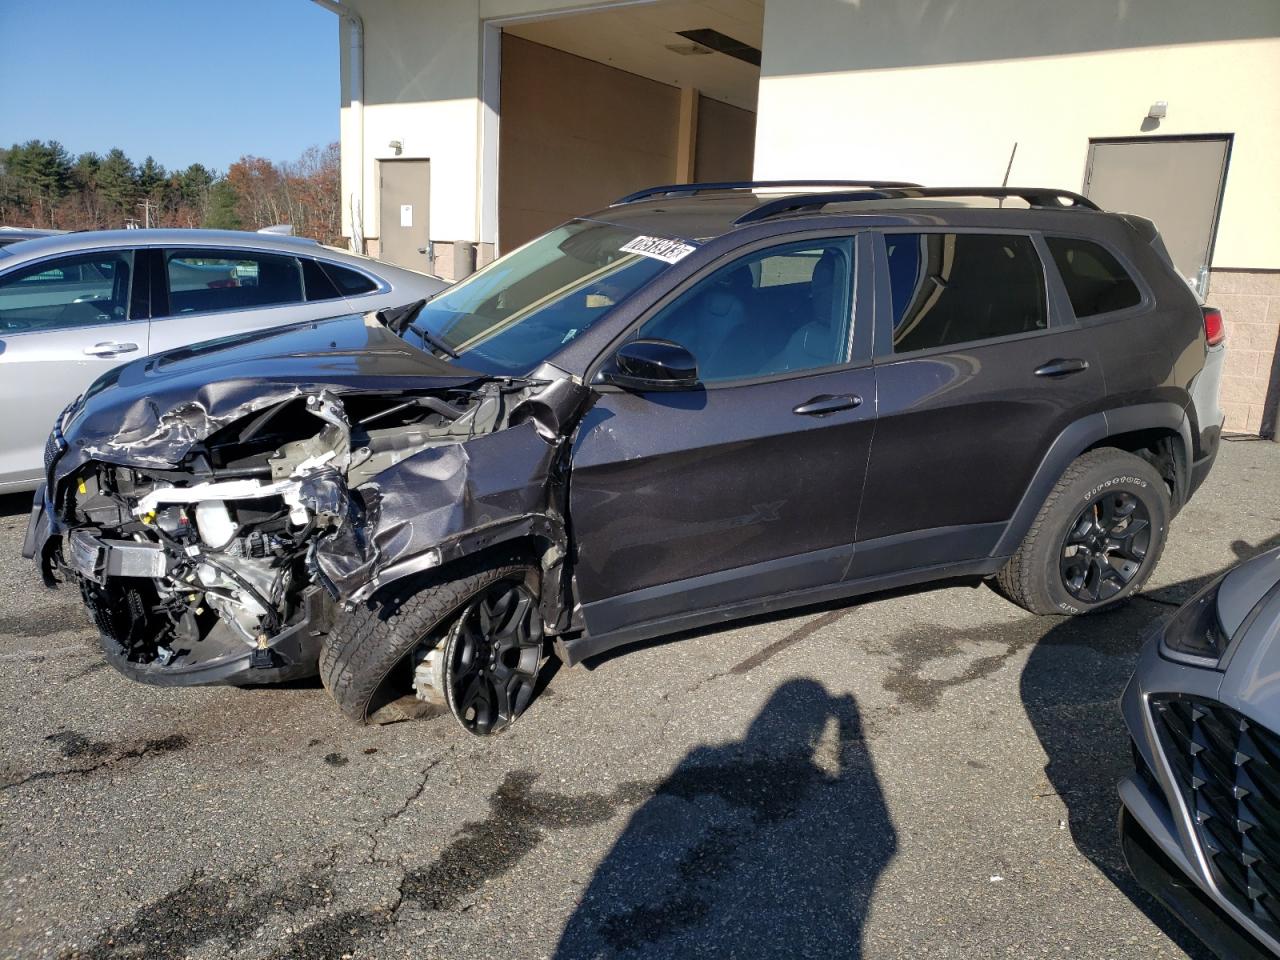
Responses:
[151,411]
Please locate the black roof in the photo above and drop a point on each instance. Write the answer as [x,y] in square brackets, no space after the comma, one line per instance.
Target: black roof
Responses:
[704,211]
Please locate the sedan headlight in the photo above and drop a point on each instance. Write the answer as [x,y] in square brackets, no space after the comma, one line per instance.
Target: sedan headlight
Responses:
[1194,634]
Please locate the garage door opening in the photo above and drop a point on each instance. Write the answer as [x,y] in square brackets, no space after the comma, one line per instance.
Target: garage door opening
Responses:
[595,105]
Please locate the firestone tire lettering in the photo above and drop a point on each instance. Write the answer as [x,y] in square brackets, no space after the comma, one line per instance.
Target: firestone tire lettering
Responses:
[1136,481]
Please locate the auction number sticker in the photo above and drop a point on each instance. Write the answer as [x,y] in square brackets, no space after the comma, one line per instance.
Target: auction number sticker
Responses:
[670,251]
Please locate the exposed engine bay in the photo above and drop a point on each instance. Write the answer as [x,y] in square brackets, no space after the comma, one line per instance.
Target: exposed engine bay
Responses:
[217,545]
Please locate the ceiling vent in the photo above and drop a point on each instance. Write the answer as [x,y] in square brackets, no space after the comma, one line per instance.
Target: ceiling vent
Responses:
[722,43]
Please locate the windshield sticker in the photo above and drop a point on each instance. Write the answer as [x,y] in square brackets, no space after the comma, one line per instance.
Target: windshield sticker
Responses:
[670,251]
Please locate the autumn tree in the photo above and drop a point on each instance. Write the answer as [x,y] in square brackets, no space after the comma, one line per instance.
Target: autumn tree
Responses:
[40,185]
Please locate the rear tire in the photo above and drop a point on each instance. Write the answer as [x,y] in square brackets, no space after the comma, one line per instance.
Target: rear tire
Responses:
[1096,539]
[364,663]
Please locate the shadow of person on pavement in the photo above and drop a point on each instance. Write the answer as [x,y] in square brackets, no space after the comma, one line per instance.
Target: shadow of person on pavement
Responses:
[770,846]
[1071,689]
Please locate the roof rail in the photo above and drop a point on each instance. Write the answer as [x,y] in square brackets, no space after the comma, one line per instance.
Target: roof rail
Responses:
[676,189]
[1042,197]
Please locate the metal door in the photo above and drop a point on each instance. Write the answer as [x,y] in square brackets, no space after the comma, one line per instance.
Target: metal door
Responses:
[404,192]
[749,488]
[962,427]
[1176,182]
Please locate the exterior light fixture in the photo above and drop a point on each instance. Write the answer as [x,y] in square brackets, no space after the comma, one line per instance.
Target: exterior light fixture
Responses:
[1158,110]
[397,146]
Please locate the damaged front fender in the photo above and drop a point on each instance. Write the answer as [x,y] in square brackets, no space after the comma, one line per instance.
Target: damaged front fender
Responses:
[443,503]
[257,501]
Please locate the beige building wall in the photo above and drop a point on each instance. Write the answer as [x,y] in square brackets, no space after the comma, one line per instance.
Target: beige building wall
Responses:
[899,89]
[908,90]
[576,135]
[725,145]
[1250,303]
[423,87]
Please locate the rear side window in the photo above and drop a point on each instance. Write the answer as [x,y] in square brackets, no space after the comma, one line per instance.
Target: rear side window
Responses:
[317,282]
[202,281]
[350,283]
[1095,281]
[950,288]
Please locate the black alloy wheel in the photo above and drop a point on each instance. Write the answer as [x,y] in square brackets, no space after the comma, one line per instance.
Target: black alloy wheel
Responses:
[492,655]
[1105,547]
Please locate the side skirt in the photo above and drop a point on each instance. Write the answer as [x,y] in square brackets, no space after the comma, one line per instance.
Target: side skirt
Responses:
[574,650]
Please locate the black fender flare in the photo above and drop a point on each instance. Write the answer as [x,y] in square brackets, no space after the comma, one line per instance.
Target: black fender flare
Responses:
[544,528]
[1078,437]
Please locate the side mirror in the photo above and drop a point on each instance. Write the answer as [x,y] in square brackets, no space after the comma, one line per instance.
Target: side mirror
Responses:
[644,365]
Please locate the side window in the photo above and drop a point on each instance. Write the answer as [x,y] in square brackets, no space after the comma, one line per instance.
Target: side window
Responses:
[1095,281]
[217,279]
[950,288]
[81,290]
[317,283]
[785,308]
[350,283]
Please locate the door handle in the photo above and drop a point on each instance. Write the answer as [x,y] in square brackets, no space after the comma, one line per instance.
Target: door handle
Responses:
[109,348]
[825,403]
[1062,367]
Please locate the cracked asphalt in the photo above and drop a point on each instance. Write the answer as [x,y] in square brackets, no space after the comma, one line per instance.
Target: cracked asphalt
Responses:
[925,773]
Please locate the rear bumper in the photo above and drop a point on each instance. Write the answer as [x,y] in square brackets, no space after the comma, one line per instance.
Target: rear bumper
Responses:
[1209,440]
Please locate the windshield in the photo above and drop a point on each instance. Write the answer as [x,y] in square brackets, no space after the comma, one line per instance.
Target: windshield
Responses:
[522,308]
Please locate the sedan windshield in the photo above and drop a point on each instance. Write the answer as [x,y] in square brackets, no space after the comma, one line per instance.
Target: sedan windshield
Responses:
[522,308]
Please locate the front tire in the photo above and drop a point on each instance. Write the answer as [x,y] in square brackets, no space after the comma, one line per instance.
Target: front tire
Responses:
[368,661]
[1096,539]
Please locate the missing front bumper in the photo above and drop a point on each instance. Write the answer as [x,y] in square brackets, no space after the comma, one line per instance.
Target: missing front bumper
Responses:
[292,654]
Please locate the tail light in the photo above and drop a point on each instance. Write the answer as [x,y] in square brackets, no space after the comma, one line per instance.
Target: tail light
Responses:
[1215,331]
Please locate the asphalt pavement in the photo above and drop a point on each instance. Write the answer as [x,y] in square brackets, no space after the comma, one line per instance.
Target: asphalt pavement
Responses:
[926,773]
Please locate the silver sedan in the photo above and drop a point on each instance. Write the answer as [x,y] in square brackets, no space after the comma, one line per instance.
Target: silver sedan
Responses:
[74,306]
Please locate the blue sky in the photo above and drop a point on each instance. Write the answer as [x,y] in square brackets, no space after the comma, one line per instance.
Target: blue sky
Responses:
[184,81]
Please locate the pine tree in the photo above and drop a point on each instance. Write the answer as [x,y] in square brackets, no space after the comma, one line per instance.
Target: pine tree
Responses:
[118,183]
[42,175]
[150,177]
[223,202]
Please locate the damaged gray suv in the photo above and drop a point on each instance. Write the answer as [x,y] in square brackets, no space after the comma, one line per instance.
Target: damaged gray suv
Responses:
[704,402]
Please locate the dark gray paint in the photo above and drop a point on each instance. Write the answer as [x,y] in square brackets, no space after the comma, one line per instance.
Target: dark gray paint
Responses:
[684,508]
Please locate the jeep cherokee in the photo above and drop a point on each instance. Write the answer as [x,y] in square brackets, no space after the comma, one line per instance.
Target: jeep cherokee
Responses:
[703,402]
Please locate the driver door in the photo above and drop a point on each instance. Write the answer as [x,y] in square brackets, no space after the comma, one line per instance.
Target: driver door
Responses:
[63,323]
[748,486]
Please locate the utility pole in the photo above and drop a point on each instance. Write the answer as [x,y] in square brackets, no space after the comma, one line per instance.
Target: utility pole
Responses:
[146,206]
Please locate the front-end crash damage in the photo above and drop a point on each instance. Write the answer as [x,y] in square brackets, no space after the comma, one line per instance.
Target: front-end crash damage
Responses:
[216,539]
